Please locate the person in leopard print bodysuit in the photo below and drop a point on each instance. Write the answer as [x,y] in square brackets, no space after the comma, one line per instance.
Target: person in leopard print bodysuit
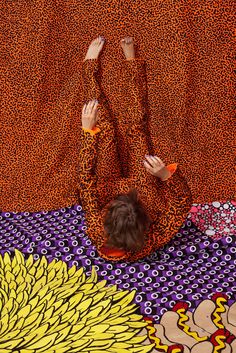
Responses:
[128,215]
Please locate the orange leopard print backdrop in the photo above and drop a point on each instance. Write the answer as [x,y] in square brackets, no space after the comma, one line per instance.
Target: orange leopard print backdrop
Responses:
[187,46]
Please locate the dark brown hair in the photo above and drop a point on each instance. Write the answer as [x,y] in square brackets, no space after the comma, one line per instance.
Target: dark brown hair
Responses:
[126,222]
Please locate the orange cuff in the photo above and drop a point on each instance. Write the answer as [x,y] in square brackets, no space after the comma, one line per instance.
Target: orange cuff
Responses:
[112,251]
[172,168]
[92,132]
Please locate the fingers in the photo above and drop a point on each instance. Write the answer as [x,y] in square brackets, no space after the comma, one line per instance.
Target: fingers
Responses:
[153,164]
[147,166]
[90,114]
[150,160]
[95,106]
[90,107]
[84,109]
[154,161]
[159,161]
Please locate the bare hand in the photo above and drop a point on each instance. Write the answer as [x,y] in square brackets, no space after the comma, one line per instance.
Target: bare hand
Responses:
[156,167]
[90,114]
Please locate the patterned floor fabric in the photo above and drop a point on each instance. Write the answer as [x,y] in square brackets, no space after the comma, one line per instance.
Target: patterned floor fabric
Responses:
[215,219]
[190,268]
[210,328]
[49,308]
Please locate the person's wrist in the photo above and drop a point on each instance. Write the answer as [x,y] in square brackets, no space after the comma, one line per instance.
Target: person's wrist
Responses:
[87,127]
[164,174]
[92,131]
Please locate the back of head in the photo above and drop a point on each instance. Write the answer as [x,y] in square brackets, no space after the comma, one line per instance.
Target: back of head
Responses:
[126,222]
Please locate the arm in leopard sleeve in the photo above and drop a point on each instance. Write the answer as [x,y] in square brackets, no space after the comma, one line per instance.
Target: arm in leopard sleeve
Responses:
[88,188]
[178,204]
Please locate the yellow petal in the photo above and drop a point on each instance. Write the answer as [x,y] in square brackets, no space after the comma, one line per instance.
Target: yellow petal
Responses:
[44,343]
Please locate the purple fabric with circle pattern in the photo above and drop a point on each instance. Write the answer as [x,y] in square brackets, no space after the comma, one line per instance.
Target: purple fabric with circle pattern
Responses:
[190,268]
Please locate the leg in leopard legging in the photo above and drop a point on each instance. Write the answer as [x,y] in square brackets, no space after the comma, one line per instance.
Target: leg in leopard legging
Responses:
[135,132]
[135,109]
[108,165]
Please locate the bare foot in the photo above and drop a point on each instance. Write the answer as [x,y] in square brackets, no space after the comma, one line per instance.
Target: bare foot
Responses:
[127,44]
[95,48]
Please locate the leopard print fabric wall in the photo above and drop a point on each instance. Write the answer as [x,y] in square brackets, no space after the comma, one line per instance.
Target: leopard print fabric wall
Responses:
[188,50]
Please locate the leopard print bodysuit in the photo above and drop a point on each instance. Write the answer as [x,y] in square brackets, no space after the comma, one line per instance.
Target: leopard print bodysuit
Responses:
[101,178]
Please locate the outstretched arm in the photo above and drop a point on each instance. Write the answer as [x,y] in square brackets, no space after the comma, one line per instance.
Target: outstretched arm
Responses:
[87,181]
[178,203]
[136,136]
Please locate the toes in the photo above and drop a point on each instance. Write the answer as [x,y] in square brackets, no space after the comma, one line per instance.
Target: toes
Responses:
[127,40]
[101,39]
[131,40]
[96,41]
